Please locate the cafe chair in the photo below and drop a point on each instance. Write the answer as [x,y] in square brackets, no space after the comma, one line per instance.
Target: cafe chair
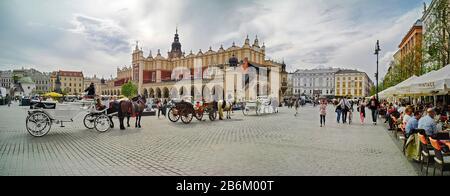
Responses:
[441,160]
[426,153]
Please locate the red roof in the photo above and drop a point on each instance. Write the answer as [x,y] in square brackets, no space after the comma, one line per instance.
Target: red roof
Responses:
[70,74]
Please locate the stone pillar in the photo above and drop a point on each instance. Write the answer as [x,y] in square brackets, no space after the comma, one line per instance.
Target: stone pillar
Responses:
[158,71]
[141,77]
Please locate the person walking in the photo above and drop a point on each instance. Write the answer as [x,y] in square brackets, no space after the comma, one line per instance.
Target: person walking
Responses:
[373,106]
[8,100]
[296,105]
[164,108]
[323,112]
[338,112]
[362,111]
[159,107]
[350,112]
[345,105]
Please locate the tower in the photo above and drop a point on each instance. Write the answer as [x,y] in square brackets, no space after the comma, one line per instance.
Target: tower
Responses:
[176,47]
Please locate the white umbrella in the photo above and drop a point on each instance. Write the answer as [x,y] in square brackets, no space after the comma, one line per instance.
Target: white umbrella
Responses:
[433,83]
[405,87]
[387,93]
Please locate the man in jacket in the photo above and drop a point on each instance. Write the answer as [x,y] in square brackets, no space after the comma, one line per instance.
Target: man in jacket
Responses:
[373,106]
[90,91]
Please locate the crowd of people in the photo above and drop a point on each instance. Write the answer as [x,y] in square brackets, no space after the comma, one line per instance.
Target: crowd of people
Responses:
[431,118]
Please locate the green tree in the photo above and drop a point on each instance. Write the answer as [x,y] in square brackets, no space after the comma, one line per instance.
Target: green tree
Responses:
[129,90]
[436,50]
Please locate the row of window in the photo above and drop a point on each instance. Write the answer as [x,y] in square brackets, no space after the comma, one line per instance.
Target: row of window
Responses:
[70,84]
[299,91]
[349,91]
[308,75]
[41,88]
[349,78]
[355,84]
[70,79]
[74,90]
[41,82]
[328,84]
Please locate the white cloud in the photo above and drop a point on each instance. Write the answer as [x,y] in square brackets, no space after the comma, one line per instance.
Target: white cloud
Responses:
[97,36]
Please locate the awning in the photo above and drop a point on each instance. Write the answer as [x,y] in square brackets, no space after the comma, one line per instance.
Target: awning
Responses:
[433,83]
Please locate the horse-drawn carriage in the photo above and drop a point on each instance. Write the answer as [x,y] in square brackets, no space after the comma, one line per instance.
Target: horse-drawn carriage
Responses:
[262,105]
[186,111]
[42,115]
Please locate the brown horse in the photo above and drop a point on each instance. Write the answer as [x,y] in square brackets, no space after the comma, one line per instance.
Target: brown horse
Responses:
[137,110]
[123,109]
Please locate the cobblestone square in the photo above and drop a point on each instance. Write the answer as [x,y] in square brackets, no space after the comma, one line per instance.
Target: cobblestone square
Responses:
[278,144]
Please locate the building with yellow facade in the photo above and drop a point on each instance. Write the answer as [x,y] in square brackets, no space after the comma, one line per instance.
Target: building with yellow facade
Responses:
[202,73]
[352,83]
[72,82]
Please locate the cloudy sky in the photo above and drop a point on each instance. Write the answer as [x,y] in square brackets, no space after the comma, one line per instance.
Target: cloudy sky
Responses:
[97,36]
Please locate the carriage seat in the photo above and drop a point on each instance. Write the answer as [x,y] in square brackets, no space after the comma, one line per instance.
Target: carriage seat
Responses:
[48,105]
[99,111]
[177,101]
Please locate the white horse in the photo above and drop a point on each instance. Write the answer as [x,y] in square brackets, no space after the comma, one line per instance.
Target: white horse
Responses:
[226,106]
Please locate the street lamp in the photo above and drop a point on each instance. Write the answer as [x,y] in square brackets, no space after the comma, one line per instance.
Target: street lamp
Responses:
[377,52]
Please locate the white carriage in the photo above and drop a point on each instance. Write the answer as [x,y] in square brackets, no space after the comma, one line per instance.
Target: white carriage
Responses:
[42,115]
[262,105]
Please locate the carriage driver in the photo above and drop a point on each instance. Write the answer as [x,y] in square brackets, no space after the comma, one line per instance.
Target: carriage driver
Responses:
[90,91]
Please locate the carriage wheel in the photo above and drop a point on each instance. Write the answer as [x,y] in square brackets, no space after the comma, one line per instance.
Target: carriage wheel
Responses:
[38,124]
[199,115]
[186,119]
[89,121]
[213,115]
[102,123]
[172,117]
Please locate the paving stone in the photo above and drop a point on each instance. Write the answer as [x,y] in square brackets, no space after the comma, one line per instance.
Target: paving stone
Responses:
[278,144]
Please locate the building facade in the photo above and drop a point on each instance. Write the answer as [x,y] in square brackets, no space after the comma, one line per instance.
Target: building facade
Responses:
[290,86]
[410,50]
[41,79]
[315,82]
[6,79]
[202,73]
[24,87]
[72,82]
[353,83]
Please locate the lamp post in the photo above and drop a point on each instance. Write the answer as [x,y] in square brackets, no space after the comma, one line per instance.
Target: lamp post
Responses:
[377,52]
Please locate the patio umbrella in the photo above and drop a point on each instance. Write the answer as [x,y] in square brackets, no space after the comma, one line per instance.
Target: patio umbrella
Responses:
[404,87]
[433,83]
[53,95]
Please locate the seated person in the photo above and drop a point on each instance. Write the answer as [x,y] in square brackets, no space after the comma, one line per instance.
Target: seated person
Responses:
[413,123]
[407,115]
[394,115]
[428,123]
[99,106]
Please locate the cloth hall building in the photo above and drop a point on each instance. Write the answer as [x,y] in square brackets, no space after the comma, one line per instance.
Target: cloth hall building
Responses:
[207,75]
